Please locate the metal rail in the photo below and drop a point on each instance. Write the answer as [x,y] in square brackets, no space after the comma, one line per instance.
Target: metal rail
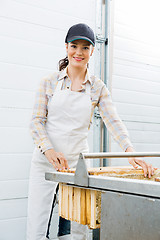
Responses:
[120,154]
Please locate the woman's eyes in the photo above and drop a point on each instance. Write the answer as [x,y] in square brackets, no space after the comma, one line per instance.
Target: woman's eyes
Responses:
[74,46]
[86,48]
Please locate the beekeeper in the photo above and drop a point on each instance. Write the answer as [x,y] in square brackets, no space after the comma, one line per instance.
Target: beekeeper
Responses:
[61,118]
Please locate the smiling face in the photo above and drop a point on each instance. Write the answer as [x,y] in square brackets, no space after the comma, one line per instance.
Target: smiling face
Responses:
[79,52]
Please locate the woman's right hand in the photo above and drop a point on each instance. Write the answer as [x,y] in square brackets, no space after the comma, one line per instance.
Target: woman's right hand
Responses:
[57,159]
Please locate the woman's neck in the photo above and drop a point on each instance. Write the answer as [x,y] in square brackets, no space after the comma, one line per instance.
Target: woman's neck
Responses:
[76,74]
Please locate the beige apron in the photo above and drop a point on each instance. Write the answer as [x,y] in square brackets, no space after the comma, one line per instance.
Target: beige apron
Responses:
[67,128]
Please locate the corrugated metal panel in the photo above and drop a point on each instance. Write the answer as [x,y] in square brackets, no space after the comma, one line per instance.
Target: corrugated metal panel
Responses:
[31,44]
[136,74]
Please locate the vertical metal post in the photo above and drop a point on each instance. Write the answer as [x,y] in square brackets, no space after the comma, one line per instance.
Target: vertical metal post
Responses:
[101,41]
[100,132]
[101,51]
[100,71]
[98,53]
[106,75]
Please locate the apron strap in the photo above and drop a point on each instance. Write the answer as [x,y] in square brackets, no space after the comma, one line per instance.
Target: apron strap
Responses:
[59,85]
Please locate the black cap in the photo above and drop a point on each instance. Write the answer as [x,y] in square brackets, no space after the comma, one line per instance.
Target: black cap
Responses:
[80,31]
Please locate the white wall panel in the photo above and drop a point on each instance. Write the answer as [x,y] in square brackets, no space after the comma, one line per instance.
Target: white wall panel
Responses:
[136,57]
[13,229]
[133,46]
[139,147]
[31,32]
[138,85]
[20,117]
[15,140]
[20,77]
[141,113]
[14,166]
[136,74]
[142,16]
[43,16]
[145,137]
[68,7]
[13,189]
[142,136]
[16,99]
[15,208]
[129,96]
[29,53]
[133,125]
[136,70]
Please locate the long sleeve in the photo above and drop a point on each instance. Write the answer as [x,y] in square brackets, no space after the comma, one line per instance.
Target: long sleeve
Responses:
[39,116]
[111,119]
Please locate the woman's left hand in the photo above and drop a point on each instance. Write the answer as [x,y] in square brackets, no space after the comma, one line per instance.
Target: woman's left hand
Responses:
[135,162]
[147,168]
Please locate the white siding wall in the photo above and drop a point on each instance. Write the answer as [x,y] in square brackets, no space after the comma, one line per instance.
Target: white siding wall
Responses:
[136,73]
[31,43]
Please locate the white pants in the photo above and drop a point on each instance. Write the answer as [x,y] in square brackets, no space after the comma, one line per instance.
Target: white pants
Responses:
[79,231]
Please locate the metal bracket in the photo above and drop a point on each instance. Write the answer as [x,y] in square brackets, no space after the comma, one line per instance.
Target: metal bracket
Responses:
[101,39]
[97,114]
[81,173]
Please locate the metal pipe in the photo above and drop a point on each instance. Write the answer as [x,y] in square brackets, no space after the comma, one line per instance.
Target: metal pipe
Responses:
[120,155]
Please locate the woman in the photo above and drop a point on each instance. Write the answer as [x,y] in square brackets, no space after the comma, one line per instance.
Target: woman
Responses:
[61,119]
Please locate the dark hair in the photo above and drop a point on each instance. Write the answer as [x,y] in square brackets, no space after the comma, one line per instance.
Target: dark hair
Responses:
[63,63]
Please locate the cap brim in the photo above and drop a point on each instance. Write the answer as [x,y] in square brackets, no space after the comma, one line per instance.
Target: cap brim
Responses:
[80,37]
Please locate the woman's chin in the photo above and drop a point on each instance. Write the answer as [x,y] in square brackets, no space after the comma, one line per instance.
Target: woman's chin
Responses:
[78,64]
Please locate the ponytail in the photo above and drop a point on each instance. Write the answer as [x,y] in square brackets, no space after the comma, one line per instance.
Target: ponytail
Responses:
[63,63]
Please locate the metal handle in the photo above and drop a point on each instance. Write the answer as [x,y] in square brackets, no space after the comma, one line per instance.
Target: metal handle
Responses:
[120,154]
